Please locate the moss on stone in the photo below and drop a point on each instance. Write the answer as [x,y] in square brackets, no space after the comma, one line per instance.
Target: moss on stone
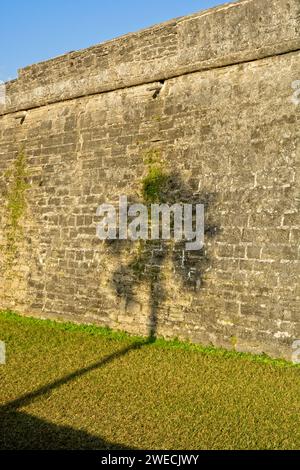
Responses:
[16,203]
[155,181]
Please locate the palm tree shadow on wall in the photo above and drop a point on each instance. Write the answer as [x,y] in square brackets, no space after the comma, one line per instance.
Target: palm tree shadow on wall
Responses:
[146,266]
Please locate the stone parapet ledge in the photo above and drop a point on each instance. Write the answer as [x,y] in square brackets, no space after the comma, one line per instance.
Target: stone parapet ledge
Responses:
[230,34]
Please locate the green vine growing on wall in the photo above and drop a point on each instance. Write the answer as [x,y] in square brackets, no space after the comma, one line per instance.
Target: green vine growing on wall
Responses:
[16,203]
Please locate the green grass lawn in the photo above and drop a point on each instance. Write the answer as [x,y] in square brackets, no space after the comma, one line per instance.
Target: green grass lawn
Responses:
[75,387]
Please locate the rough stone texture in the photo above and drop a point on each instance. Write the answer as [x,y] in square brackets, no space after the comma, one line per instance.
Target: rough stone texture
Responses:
[233,33]
[224,123]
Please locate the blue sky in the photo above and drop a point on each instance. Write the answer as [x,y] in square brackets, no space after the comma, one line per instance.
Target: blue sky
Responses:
[36,30]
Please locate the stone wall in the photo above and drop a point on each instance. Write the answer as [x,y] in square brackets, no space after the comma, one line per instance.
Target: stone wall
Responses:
[210,96]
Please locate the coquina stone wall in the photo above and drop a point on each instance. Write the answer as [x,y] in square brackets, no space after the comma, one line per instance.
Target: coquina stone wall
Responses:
[210,102]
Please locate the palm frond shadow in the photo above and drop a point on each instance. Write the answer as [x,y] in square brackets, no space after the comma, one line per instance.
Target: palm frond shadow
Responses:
[145,267]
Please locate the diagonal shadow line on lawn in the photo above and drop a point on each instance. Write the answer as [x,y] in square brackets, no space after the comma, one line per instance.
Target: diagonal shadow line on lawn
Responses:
[32,396]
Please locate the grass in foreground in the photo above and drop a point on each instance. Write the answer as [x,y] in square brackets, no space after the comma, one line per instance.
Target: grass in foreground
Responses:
[78,387]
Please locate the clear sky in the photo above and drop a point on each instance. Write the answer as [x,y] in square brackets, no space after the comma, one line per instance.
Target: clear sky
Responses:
[36,30]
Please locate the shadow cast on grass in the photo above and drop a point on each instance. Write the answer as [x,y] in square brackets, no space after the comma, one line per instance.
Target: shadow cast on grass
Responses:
[29,398]
[19,430]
